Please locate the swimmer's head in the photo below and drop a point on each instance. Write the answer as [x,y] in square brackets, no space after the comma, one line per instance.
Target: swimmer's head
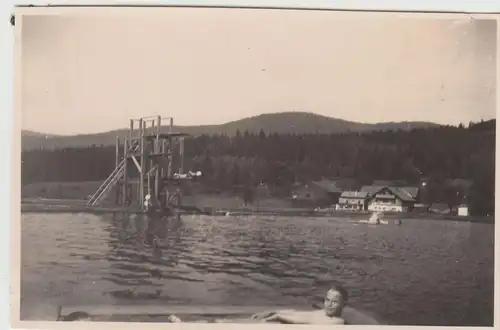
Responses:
[335,300]
[78,316]
[173,319]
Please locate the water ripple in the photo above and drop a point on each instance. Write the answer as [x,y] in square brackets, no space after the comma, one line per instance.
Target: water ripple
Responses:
[421,273]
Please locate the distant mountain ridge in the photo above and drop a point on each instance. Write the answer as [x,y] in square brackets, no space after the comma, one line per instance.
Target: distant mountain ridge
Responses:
[36,134]
[281,123]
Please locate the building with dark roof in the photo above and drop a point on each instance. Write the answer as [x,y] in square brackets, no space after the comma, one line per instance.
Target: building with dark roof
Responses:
[353,201]
[325,192]
[390,198]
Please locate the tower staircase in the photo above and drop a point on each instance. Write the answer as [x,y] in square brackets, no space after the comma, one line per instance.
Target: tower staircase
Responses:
[112,179]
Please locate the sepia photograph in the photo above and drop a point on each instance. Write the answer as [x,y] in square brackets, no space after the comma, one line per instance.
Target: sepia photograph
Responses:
[256,165]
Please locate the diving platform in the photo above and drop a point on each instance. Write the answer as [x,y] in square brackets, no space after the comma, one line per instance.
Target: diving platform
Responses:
[149,164]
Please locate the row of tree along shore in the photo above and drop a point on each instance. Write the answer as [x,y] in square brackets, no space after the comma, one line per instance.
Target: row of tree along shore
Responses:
[280,161]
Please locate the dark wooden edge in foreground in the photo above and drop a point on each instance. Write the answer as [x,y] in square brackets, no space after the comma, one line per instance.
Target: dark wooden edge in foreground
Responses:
[243,313]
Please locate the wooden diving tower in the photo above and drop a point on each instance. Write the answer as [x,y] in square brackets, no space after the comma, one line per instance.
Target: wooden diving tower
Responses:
[144,178]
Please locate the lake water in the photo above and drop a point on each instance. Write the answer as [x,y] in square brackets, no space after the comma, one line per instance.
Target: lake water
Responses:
[424,272]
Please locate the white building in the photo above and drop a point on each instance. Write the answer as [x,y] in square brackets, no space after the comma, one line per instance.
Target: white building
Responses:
[463,211]
[391,199]
[352,201]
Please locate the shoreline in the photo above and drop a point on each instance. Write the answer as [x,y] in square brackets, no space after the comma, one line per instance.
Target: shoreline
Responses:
[45,205]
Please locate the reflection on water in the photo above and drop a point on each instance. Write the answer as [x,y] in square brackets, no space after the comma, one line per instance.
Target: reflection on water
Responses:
[422,273]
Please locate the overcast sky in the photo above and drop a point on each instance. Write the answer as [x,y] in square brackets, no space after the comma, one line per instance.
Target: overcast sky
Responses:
[83,74]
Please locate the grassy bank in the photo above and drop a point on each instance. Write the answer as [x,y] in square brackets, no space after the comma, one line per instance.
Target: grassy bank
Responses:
[81,191]
[60,190]
[70,197]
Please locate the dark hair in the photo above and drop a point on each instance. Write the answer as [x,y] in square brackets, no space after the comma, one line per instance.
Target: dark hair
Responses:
[76,316]
[339,288]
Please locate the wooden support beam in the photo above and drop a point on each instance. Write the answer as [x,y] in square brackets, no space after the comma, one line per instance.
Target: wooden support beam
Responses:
[169,157]
[153,127]
[140,187]
[181,156]
[157,148]
[149,186]
[163,149]
[144,160]
[117,161]
[157,181]
[158,131]
[151,170]
[151,149]
[136,162]
[125,173]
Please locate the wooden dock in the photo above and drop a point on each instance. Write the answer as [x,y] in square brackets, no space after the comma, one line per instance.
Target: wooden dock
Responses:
[44,205]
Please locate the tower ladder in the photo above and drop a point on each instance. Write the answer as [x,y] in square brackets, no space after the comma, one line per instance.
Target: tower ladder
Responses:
[112,179]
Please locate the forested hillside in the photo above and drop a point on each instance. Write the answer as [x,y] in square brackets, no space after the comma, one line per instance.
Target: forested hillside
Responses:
[280,123]
[283,159]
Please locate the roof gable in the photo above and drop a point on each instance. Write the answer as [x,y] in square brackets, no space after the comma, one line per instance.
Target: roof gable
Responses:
[412,191]
[327,185]
[354,194]
[372,190]
[406,194]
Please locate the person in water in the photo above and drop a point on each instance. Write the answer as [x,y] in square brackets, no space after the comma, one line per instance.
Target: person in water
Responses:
[335,300]
[75,316]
